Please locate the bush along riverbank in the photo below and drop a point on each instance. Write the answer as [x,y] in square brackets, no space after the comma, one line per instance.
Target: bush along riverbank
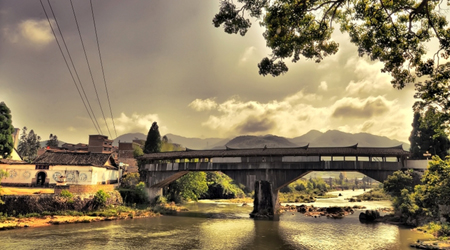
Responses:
[21,211]
[426,203]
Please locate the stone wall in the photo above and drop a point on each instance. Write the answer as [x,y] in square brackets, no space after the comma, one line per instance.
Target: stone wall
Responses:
[24,204]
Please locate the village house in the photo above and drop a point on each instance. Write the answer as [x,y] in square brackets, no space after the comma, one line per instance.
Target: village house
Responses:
[81,168]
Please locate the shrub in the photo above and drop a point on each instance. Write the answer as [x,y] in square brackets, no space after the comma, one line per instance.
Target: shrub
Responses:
[100,198]
[66,193]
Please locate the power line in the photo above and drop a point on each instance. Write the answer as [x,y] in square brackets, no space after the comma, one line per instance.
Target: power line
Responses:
[74,68]
[103,71]
[89,67]
[68,67]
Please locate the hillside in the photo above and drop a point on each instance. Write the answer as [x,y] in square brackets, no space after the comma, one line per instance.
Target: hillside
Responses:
[335,138]
[331,138]
[194,143]
[249,141]
[129,138]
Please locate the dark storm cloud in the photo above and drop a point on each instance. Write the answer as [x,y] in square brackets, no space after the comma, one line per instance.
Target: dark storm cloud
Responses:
[255,124]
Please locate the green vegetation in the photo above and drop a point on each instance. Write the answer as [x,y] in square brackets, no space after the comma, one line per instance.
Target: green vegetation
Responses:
[100,198]
[6,130]
[28,145]
[376,194]
[221,186]
[66,194]
[52,141]
[426,201]
[438,229]
[153,142]
[132,190]
[191,186]
[303,191]
[392,32]
[428,135]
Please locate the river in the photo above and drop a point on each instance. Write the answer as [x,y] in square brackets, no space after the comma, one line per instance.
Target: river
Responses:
[212,225]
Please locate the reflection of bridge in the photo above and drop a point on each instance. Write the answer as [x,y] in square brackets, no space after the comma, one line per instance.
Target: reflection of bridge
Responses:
[278,166]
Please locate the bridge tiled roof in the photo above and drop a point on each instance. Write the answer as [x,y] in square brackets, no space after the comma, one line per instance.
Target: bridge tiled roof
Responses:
[353,150]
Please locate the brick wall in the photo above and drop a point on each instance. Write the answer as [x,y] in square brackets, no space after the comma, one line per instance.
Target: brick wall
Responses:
[84,189]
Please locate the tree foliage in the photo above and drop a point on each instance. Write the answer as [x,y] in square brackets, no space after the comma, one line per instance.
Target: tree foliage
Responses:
[398,181]
[428,135]
[6,130]
[153,142]
[52,141]
[424,200]
[393,32]
[189,187]
[29,144]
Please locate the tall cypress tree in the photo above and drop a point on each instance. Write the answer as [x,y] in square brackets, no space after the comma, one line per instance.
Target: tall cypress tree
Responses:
[6,130]
[153,142]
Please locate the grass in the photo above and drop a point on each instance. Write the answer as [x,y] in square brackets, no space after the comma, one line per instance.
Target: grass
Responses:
[373,195]
[437,229]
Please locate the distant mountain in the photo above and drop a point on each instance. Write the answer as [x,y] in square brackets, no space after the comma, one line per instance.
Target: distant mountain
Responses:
[129,138]
[194,143]
[331,138]
[250,141]
[335,138]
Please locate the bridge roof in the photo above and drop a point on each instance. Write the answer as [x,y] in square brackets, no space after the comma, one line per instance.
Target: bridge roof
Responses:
[354,150]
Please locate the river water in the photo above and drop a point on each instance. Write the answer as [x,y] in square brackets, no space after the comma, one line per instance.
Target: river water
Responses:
[212,225]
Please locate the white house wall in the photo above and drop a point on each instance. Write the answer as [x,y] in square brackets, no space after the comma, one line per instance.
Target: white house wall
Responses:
[26,174]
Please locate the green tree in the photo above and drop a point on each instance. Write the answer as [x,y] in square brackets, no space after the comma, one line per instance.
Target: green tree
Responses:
[137,151]
[393,32]
[190,186]
[436,185]
[341,177]
[29,144]
[398,181]
[52,141]
[153,142]
[428,134]
[6,130]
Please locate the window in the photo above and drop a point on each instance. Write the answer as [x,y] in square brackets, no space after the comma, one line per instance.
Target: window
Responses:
[42,167]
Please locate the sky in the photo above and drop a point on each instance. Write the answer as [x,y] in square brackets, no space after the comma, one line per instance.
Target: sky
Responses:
[164,61]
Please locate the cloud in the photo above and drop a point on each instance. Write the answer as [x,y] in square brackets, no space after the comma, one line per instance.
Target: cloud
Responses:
[255,124]
[358,108]
[371,80]
[247,54]
[296,114]
[200,105]
[37,32]
[323,86]
[134,123]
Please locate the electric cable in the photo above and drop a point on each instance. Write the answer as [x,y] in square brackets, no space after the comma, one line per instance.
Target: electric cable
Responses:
[74,68]
[89,67]
[103,71]
[68,67]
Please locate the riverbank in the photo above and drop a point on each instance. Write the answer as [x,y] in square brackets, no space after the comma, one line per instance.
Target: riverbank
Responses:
[70,217]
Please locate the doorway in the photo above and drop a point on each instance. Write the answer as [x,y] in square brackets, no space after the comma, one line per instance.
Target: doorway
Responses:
[40,178]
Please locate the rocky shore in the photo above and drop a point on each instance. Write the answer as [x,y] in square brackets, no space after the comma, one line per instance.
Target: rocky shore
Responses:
[317,212]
